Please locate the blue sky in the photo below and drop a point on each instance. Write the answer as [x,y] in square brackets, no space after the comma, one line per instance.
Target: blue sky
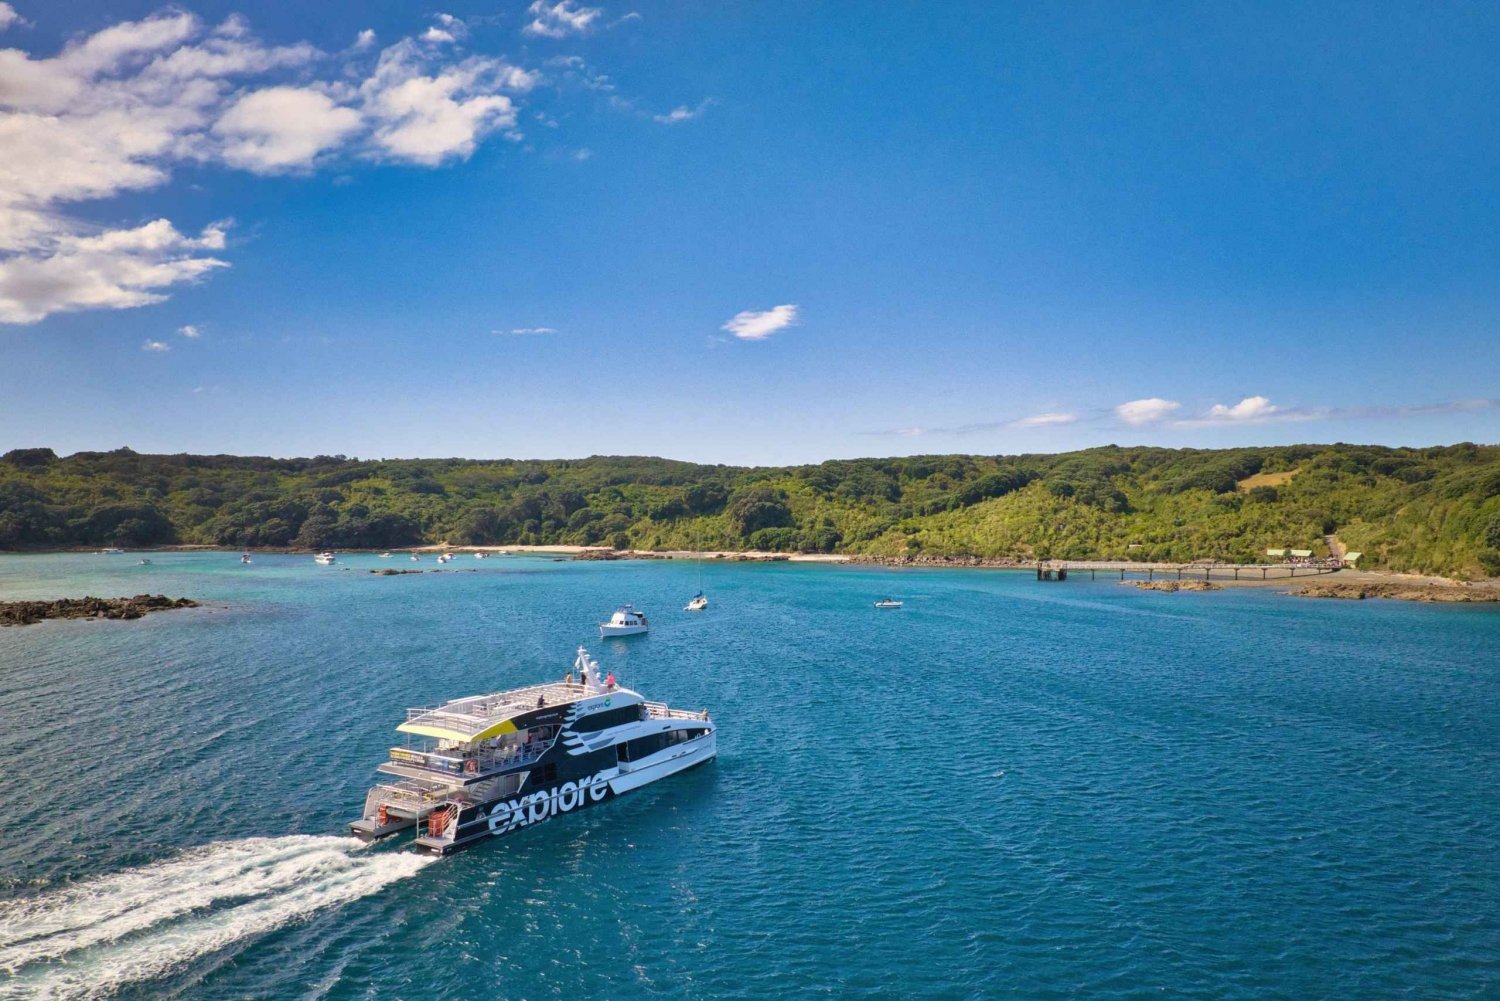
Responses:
[745,232]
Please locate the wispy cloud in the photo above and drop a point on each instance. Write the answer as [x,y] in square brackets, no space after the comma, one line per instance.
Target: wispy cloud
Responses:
[1044,420]
[561,19]
[156,346]
[757,325]
[8,16]
[526,331]
[683,113]
[190,331]
[1050,419]
[1259,410]
[1147,411]
[1156,412]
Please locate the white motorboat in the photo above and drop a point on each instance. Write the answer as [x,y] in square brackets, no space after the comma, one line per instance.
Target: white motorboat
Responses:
[145,563]
[385,556]
[698,604]
[244,557]
[111,551]
[625,621]
[887,603]
[324,559]
[445,557]
[481,556]
[415,557]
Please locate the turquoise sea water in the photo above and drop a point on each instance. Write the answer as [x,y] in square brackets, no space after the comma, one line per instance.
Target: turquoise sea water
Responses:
[1005,789]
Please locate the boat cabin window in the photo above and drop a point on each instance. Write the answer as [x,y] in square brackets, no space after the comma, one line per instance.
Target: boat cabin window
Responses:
[643,747]
[608,718]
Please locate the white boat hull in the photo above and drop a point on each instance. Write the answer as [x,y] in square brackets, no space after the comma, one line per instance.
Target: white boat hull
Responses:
[607,630]
[633,775]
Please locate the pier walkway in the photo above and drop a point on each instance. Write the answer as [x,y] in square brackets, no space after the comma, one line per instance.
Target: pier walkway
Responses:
[1125,570]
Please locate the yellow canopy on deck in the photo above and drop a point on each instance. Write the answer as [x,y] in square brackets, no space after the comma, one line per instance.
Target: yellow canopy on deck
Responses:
[448,733]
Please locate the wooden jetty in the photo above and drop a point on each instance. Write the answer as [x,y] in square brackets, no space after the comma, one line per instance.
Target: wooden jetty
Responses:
[1059,570]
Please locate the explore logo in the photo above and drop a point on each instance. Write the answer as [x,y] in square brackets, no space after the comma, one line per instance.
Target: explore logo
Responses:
[538,806]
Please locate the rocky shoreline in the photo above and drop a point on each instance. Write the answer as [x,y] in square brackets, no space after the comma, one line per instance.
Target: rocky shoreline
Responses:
[26,613]
[1359,590]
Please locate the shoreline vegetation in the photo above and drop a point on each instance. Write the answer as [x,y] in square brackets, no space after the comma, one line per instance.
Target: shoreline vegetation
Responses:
[1171,578]
[27,613]
[1433,512]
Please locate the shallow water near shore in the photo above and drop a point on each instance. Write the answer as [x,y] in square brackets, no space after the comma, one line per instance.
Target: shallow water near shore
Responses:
[1005,788]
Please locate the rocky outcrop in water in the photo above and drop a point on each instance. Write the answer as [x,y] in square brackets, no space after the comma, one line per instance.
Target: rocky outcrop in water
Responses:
[25,613]
[1174,585]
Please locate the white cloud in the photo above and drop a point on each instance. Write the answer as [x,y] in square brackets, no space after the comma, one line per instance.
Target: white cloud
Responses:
[116,111]
[1251,408]
[426,119]
[1147,411]
[364,39]
[157,346]
[189,331]
[582,154]
[118,269]
[753,325]
[558,20]
[282,128]
[682,113]
[8,16]
[528,331]
[436,36]
[1044,420]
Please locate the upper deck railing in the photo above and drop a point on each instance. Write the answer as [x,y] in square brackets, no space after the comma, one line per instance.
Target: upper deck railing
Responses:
[479,711]
[660,710]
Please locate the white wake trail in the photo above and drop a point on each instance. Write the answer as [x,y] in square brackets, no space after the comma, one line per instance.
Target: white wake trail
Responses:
[91,939]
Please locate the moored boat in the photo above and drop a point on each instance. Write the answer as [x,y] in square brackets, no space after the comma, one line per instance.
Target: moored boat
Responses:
[625,621]
[489,765]
[698,603]
[887,603]
[325,559]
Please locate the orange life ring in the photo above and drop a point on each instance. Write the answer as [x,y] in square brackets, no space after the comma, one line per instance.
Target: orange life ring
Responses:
[471,766]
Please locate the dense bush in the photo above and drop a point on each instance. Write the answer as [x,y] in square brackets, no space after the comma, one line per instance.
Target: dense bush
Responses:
[1431,509]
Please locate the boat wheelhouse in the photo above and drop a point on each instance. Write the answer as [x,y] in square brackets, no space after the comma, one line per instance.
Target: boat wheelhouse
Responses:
[491,764]
[625,621]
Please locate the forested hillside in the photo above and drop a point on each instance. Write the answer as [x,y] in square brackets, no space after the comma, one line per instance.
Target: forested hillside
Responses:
[1430,509]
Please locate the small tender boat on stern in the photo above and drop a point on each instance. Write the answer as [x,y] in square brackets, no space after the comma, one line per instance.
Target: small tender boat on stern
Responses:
[489,765]
[625,621]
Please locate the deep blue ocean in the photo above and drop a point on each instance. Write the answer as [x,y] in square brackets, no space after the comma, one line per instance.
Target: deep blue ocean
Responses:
[1005,789]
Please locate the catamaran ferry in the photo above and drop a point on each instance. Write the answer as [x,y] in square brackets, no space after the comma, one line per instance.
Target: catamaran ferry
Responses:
[493,764]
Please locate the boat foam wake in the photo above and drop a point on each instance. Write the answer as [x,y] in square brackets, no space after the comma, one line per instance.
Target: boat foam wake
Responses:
[93,938]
